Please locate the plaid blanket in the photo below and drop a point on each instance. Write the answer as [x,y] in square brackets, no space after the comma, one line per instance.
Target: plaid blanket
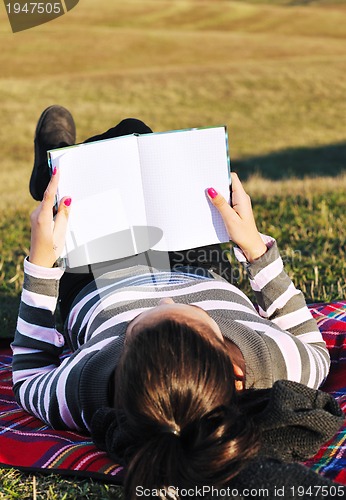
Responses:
[27,444]
[330,460]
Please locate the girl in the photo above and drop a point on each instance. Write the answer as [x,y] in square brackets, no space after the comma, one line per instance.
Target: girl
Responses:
[162,363]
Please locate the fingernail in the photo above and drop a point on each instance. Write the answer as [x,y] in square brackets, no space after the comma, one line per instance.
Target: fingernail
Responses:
[54,170]
[67,202]
[212,193]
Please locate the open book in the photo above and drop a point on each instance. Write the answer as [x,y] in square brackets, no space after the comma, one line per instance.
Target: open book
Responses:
[140,192]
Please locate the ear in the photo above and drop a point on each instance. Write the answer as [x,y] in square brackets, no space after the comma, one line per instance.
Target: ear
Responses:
[238,372]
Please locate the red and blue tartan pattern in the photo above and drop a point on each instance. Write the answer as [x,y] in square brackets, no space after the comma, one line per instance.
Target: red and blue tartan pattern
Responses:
[27,444]
[330,461]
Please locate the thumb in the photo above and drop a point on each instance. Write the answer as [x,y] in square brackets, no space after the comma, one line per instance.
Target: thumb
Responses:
[60,223]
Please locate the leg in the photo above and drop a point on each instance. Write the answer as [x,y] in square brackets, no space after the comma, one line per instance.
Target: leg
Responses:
[125,127]
[72,282]
[207,258]
[70,285]
[55,129]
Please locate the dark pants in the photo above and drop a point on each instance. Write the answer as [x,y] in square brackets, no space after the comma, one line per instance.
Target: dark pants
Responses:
[206,258]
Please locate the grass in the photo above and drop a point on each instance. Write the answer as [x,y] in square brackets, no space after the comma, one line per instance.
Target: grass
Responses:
[15,485]
[272,71]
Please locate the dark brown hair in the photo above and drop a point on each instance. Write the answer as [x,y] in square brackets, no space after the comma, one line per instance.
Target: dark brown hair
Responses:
[180,422]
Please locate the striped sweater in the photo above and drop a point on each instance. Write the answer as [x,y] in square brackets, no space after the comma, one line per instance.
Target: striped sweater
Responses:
[279,341]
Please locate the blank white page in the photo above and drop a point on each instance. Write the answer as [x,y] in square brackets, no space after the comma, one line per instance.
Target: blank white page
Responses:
[104,181]
[177,168]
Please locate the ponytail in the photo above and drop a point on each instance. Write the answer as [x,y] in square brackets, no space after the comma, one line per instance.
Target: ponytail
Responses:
[177,421]
[209,452]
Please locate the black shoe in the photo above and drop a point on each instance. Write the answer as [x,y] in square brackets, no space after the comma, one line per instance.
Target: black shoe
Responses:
[55,129]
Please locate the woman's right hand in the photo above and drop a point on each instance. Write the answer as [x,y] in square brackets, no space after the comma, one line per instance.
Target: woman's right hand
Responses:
[239,220]
[48,234]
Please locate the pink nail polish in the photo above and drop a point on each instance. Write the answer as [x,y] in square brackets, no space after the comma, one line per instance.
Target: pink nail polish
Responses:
[67,202]
[54,171]
[212,193]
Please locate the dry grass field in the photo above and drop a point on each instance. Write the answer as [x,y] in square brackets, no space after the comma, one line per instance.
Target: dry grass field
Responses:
[273,74]
[272,71]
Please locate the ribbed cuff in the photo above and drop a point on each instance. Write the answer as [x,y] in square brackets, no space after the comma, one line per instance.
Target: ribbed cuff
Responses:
[42,272]
[267,240]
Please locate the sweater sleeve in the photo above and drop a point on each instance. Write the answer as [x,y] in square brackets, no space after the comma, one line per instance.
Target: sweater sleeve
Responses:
[38,372]
[284,305]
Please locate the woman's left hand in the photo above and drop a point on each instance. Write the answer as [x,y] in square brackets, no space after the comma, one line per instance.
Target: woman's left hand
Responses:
[48,234]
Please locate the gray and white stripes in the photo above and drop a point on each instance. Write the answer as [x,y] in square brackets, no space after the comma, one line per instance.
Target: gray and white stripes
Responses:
[281,341]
